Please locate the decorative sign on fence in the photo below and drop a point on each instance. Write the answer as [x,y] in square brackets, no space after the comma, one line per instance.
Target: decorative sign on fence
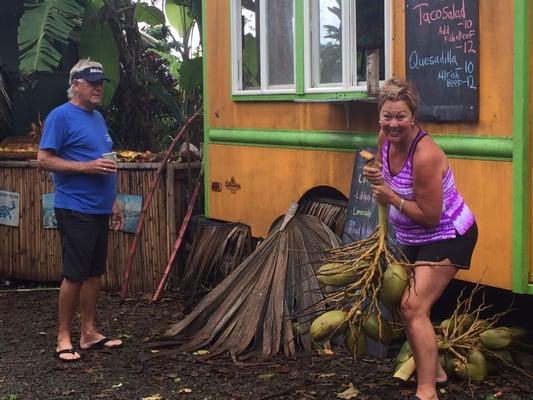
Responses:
[49,216]
[9,208]
[131,207]
[442,57]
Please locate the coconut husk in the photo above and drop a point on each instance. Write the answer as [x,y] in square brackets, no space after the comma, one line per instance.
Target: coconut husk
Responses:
[249,314]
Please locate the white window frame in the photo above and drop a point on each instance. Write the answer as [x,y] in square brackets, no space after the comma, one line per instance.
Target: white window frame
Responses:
[236,53]
[349,63]
[349,84]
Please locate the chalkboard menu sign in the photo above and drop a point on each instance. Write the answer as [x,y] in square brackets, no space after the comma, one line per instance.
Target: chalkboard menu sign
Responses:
[362,218]
[442,57]
[362,213]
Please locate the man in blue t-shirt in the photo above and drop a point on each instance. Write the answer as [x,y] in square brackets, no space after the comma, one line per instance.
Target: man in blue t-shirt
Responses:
[75,138]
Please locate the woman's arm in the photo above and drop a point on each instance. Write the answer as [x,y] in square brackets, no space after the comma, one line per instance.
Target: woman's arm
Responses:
[429,166]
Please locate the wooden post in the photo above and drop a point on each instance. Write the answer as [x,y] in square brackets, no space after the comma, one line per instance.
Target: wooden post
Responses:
[179,239]
[171,206]
[153,186]
[372,73]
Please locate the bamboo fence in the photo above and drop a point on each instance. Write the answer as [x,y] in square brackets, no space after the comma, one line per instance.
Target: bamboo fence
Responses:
[32,252]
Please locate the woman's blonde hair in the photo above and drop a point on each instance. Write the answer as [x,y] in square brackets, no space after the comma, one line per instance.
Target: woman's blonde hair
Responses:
[399,90]
[80,66]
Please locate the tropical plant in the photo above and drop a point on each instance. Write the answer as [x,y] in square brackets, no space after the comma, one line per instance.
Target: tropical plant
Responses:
[333,31]
[42,27]
[146,83]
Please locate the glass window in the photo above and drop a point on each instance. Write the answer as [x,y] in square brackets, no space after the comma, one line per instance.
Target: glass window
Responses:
[335,38]
[280,42]
[340,35]
[370,35]
[265,39]
[326,41]
[251,61]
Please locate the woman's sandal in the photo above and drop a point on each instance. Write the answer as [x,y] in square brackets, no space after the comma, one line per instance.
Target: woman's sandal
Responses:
[441,384]
[438,384]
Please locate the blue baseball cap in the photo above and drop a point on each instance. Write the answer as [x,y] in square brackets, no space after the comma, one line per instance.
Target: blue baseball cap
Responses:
[91,74]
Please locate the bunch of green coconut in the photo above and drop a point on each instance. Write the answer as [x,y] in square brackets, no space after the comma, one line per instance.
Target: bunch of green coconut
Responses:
[469,347]
[356,324]
[359,276]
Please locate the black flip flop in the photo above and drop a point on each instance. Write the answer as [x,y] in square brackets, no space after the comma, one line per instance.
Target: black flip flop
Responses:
[57,355]
[441,384]
[101,345]
[438,384]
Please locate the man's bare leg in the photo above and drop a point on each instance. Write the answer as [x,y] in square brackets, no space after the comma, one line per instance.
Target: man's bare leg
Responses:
[88,299]
[69,294]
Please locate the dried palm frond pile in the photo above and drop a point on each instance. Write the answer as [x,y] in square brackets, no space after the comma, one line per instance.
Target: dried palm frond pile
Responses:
[470,347]
[329,211]
[247,314]
[364,273]
[217,248]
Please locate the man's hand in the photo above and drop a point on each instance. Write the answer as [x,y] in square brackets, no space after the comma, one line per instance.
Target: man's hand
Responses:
[117,218]
[102,166]
[49,161]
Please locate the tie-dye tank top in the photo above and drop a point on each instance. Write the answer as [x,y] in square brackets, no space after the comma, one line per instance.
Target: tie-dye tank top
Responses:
[456,216]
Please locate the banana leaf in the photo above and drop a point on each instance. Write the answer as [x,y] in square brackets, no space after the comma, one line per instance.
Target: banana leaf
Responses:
[151,15]
[178,16]
[159,92]
[98,43]
[191,74]
[172,62]
[42,26]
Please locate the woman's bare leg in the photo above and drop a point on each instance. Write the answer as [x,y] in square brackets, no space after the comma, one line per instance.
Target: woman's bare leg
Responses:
[425,288]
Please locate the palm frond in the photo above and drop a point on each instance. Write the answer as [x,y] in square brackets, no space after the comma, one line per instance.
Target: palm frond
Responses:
[6,112]
[42,26]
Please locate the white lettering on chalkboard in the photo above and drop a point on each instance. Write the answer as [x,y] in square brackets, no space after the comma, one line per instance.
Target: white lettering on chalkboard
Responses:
[442,57]
[439,14]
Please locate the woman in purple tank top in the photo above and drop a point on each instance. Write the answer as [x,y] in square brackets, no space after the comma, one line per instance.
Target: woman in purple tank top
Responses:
[433,224]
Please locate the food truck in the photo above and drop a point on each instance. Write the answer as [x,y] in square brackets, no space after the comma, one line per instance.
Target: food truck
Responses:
[287,106]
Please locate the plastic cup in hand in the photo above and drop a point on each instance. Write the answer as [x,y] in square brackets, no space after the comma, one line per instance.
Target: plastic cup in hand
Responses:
[110,156]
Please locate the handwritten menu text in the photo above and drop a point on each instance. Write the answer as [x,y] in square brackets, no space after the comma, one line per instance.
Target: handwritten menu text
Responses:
[442,57]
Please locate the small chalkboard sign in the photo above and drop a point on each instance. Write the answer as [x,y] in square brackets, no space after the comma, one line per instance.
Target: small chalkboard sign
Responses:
[442,57]
[362,217]
[362,213]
